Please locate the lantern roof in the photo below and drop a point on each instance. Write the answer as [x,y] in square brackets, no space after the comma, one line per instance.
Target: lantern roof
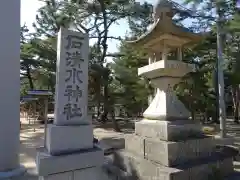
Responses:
[165,31]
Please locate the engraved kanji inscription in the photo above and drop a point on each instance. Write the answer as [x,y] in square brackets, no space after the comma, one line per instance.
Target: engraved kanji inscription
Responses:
[71,111]
[73,75]
[74,42]
[73,93]
[74,59]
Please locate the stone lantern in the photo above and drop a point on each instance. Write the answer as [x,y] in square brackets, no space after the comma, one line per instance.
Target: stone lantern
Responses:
[164,38]
[167,143]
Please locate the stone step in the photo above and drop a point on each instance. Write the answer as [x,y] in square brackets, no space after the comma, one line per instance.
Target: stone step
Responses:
[113,172]
[169,153]
[138,168]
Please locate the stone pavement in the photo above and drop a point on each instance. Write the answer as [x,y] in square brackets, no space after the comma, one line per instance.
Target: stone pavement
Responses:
[31,140]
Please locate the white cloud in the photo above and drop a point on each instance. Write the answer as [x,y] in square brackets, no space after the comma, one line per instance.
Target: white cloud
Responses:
[29,10]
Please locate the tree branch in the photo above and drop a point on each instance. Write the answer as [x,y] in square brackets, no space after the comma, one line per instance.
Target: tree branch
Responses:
[109,37]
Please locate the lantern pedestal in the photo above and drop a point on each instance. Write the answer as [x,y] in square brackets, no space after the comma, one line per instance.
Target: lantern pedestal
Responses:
[166,143]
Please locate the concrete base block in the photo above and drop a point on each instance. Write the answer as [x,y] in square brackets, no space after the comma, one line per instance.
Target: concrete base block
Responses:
[135,144]
[64,139]
[169,153]
[94,173]
[175,153]
[168,130]
[138,168]
[48,164]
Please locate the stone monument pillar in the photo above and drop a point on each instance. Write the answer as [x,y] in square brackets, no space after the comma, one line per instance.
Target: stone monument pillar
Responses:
[69,152]
[9,89]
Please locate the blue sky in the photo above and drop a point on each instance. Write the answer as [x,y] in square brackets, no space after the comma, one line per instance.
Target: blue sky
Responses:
[29,9]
